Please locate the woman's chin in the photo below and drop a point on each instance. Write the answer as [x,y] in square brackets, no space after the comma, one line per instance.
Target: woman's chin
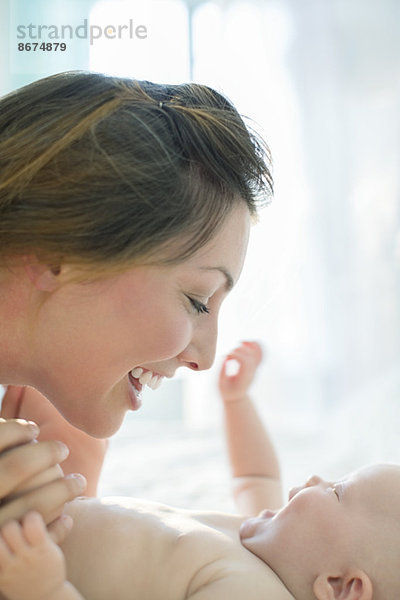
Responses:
[100,427]
[97,419]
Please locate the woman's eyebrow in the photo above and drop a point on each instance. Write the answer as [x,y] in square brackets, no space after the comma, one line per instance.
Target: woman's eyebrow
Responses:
[229,279]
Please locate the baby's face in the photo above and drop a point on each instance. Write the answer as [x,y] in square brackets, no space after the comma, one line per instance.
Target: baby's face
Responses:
[326,525]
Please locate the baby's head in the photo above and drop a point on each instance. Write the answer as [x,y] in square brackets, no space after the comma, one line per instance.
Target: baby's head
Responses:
[335,540]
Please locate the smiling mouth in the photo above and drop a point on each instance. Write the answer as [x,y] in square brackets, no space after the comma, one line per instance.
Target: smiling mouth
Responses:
[135,383]
[140,377]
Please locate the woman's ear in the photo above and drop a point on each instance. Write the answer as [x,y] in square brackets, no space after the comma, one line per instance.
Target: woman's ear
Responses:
[353,585]
[43,277]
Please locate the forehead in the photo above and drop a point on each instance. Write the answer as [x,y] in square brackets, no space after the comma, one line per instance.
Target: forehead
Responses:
[228,245]
[377,487]
[236,223]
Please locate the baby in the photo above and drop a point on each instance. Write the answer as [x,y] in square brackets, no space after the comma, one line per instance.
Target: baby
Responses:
[330,541]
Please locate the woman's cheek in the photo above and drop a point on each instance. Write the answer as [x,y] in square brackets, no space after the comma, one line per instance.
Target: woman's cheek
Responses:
[169,336]
[177,335]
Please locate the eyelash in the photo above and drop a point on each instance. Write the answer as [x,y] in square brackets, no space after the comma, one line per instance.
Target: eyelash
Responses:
[199,306]
[336,492]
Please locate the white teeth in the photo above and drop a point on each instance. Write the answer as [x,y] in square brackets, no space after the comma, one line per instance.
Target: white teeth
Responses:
[148,378]
[152,382]
[145,378]
[136,372]
[157,383]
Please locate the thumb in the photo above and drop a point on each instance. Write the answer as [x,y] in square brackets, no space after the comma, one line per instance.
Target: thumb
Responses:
[11,402]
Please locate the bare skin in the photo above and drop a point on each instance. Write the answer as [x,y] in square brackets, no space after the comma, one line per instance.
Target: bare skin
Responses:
[23,465]
[28,403]
[330,540]
[30,563]
[155,318]
[196,555]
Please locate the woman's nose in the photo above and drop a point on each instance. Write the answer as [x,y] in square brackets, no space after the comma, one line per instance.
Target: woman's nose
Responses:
[199,355]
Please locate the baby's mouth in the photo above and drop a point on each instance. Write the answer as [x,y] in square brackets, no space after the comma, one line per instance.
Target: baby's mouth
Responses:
[249,526]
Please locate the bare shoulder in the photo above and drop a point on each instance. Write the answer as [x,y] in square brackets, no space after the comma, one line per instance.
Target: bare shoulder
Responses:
[233,571]
[106,546]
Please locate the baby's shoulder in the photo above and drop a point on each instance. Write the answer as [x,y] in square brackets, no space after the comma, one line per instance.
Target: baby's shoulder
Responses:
[231,571]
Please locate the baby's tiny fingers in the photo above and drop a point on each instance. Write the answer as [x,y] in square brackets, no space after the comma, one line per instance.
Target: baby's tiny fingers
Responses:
[60,528]
[13,536]
[255,347]
[34,528]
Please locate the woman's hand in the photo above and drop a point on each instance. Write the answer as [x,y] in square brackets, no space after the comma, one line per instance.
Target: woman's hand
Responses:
[86,454]
[21,462]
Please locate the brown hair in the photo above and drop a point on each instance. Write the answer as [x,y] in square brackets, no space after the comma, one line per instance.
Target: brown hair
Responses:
[101,171]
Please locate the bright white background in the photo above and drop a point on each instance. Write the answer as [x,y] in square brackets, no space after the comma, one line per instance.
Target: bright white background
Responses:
[321,286]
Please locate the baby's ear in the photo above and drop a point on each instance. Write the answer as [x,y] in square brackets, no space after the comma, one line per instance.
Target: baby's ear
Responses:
[353,585]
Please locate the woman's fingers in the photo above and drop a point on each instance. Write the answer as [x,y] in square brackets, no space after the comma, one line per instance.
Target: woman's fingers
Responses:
[14,432]
[23,462]
[50,474]
[30,478]
[47,500]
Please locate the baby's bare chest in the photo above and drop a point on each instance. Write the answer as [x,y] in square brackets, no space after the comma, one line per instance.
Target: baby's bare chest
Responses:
[134,550]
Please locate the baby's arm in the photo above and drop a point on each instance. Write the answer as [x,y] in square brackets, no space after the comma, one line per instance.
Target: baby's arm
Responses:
[32,566]
[253,460]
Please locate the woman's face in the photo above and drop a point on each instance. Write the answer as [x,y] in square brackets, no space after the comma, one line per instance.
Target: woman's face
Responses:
[90,337]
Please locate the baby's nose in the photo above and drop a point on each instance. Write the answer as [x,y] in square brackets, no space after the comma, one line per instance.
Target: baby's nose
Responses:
[311,481]
[295,490]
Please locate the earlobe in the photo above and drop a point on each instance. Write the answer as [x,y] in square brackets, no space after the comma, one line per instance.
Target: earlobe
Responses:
[43,277]
[353,585]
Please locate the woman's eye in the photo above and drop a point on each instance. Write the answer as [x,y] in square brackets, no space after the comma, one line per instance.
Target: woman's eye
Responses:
[199,306]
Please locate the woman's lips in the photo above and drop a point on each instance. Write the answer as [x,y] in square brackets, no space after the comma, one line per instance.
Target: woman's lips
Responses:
[135,388]
[138,378]
[136,383]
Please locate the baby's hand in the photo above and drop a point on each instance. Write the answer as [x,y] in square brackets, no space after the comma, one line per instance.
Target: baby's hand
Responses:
[235,387]
[86,454]
[31,564]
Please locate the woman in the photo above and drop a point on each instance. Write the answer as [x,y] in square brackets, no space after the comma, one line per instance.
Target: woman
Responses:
[124,217]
